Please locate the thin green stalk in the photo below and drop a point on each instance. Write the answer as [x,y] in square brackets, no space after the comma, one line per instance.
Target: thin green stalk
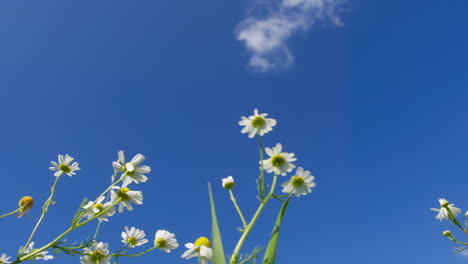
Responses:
[261,181]
[15,211]
[97,230]
[44,211]
[233,199]
[241,241]
[136,255]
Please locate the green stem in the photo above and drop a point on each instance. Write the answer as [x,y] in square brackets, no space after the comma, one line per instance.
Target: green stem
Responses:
[241,241]
[233,199]
[261,183]
[11,212]
[97,230]
[136,255]
[44,211]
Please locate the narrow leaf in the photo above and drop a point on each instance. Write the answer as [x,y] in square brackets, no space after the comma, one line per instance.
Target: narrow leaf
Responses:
[270,253]
[217,245]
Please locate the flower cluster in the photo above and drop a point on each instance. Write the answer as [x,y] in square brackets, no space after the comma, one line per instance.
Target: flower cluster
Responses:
[449,212]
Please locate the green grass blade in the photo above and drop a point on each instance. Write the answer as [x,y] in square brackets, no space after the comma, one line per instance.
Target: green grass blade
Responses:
[270,253]
[218,252]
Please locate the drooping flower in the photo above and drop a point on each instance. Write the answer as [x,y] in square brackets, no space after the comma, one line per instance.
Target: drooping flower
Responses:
[4,259]
[126,196]
[446,210]
[25,204]
[301,183]
[134,237]
[257,123]
[132,169]
[279,162]
[201,248]
[165,241]
[64,166]
[98,254]
[96,208]
[228,183]
[41,255]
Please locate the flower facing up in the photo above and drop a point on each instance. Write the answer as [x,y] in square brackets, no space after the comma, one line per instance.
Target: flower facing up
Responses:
[25,204]
[96,208]
[301,183]
[165,241]
[201,247]
[446,210]
[228,183]
[132,170]
[98,254]
[41,255]
[126,196]
[257,124]
[279,162]
[64,166]
[134,237]
[4,259]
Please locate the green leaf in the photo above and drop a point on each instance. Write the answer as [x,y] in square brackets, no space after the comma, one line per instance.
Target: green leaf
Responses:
[218,252]
[270,253]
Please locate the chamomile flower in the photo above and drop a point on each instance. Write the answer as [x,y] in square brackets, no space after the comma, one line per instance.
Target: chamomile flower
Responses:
[228,183]
[301,183]
[98,253]
[257,124]
[279,162]
[134,237]
[25,203]
[4,259]
[165,241]
[96,208]
[201,248]
[126,196]
[63,166]
[446,210]
[41,255]
[132,170]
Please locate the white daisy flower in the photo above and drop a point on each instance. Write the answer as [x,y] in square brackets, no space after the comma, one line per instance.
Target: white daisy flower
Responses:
[4,259]
[301,183]
[64,166]
[95,208]
[134,237]
[201,248]
[228,183]
[126,196]
[165,241]
[98,254]
[445,210]
[134,172]
[41,255]
[279,162]
[257,124]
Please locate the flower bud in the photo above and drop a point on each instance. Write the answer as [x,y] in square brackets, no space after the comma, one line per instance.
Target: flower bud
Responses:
[25,204]
[228,183]
[448,234]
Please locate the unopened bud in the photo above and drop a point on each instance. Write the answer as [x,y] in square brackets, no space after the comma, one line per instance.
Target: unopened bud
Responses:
[448,234]
[228,183]
[25,204]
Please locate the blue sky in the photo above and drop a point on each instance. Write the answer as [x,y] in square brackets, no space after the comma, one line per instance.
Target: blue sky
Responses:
[375,108]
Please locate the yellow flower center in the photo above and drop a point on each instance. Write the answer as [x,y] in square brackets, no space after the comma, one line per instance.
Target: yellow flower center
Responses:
[296,181]
[65,168]
[277,160]
[258,122]
[25,204]
[96,256]
[160,242]
[99,206]
[122,194]
[132,241]
[203,241]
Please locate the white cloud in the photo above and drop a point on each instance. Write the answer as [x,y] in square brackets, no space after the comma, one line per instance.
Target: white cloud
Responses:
[266,37]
